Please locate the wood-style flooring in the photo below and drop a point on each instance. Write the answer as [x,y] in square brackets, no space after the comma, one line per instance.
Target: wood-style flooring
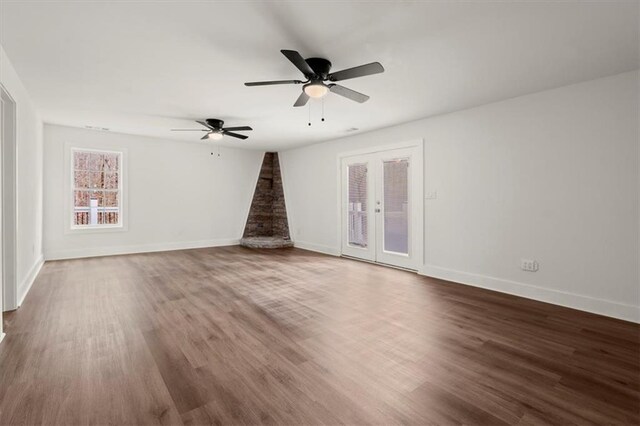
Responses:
[238,336]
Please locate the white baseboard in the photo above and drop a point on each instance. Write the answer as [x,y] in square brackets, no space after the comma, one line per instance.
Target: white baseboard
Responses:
[142,248]
[2,336]
[556,297]
[317,248]
[571,300]
[25,285]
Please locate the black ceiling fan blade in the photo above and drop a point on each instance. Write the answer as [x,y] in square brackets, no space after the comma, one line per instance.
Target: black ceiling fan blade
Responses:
[189,130]
[205,125]
[299,62]
[348,93]
[302,100]
[235,135]
[361,71]
[233,129]
[271,83]
[205,136]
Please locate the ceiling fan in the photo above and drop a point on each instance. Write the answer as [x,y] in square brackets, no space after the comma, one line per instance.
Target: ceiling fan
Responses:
[316,72]
[215,129]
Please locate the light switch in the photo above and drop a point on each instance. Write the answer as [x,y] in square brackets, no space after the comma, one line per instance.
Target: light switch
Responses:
[431,195]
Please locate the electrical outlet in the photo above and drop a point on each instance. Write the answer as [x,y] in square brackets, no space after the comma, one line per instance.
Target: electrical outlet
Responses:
[528,265]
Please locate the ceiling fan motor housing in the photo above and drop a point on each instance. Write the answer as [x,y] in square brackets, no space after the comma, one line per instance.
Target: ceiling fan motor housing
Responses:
[214,122]
[321,66]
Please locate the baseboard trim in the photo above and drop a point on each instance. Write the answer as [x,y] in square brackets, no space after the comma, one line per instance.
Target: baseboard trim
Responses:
[571,300]
[2,336]
[143,248]
[317,248]
[28,281]
[556,297]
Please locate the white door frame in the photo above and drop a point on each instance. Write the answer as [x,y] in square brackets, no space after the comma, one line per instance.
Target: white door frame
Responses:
[418,232]
[8,202]
[1,233]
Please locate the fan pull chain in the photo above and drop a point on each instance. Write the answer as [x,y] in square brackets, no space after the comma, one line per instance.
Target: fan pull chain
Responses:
[218,153]
[322,109]
[309,113]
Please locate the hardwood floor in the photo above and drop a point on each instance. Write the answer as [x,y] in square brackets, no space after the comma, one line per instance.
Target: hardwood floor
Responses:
[237,336]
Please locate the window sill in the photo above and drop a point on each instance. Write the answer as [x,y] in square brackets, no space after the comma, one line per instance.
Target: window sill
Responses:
[95,229]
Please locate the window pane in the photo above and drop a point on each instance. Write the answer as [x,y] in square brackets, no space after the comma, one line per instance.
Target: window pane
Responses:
[97,196]
[109,217]
[96,161]
[81,218]
[81,199]
[358,205]
[80,160]
[396,203]
[81,179]
[111,180]
[111,162]
[97,180]
[111,199]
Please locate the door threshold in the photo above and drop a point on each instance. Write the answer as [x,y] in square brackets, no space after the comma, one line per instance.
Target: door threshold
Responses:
[379,263]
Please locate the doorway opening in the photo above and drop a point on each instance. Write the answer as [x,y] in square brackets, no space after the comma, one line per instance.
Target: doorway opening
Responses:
[8,209]
[381,206]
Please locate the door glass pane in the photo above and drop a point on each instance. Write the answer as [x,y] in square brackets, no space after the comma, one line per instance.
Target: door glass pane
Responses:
[396,206]
[358,205]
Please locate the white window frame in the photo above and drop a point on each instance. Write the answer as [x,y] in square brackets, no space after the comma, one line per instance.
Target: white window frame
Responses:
[122,176]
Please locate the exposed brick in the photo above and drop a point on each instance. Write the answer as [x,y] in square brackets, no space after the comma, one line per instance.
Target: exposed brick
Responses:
[268,213]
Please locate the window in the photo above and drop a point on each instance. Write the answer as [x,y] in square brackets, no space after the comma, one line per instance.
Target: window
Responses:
[96,189]
[358,205]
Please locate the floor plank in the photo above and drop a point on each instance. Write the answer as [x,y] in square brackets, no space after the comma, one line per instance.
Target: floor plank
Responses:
[238,336]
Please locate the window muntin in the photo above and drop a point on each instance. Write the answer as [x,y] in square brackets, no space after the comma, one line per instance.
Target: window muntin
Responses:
[96,181]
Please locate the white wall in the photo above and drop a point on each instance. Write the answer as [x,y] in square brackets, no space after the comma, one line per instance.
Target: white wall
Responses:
[551,176]
[29,180]
[179,195]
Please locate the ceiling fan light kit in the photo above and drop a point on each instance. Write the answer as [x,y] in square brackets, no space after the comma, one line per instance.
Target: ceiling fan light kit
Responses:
[216,136]
[316,89]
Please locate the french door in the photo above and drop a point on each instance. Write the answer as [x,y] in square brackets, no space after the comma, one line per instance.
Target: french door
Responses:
[381,207]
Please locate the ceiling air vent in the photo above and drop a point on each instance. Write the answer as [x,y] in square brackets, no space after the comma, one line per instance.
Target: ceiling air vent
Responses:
[102,129]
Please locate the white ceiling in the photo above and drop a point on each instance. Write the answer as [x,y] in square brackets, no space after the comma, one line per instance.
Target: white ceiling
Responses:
[146,67]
